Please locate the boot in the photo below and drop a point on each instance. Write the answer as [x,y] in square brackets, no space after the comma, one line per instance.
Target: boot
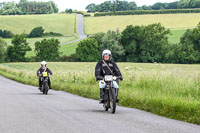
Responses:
[40,88]
[101,95]
[117,100]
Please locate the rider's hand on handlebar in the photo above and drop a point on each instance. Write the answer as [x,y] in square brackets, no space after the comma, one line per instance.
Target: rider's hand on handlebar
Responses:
[99,78]
[121,78]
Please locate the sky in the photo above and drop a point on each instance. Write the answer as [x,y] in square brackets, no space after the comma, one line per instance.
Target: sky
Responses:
[81,4]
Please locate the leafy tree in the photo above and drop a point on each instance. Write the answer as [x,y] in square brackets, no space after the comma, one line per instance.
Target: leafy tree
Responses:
[189,47]
[145,43]
[87,50]
[158,6]
[68,10]
[37,32]
[98,37]
[91,8]
[2,50]
[111,41]
[113,5]
[130,39]
[47,49]
[189,4]
[154,43]
[18,51]
[54,6]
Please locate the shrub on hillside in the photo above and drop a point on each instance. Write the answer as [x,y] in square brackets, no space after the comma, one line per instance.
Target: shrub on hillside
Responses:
[6,34]
[52,34]
[37,32]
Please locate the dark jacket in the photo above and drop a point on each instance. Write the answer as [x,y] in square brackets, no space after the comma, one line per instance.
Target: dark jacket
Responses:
[40,70]
[101,70]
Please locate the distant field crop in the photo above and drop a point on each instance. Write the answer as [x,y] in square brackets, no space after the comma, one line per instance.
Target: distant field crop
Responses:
[60,23]
[176,22]
[165,89]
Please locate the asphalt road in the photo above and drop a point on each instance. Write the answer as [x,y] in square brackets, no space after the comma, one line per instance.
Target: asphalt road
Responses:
[23,109]
[80,30]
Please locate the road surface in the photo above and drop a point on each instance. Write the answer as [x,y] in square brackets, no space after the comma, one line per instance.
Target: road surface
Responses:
[80,30]
[23,109]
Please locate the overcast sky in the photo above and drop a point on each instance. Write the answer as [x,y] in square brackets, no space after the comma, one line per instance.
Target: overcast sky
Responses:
[81,4]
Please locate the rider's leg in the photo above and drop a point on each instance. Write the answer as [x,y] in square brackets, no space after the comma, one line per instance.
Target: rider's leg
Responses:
[102,85]
[49,83]
[40,83]
[116,86]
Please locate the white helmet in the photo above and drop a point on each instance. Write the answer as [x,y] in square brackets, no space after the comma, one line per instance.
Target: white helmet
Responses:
[106,52]
[43,63]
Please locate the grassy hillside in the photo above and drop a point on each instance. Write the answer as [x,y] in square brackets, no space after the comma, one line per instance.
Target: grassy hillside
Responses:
[61,23]
[167,90]
[176,22]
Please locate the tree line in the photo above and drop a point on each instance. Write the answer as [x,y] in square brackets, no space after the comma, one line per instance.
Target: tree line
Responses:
[46,49]
[35,32]
[27,7]
[117,5]
[147,44]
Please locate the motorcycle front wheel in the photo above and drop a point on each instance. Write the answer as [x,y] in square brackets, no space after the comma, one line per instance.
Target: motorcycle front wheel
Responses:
[113,101]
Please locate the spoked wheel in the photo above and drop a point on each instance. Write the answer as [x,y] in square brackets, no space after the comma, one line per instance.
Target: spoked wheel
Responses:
[105,105]
[45,89]
[106,101]
[113,101]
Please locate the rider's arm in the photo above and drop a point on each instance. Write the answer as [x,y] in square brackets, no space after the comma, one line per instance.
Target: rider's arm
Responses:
[117,71]
[98,71]
[38,72]
[49,71]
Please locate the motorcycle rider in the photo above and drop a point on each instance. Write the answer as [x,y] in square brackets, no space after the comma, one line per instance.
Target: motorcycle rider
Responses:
[42,69]
[107,67]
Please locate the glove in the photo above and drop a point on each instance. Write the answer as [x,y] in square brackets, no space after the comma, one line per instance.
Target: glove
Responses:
[99,77]
[121,78]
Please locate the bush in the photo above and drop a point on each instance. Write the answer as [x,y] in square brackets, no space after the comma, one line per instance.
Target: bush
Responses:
[6,34]
[52,34]
[37,32]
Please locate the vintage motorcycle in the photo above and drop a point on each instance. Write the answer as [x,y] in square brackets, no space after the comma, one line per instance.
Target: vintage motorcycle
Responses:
[109,93]
[45,80]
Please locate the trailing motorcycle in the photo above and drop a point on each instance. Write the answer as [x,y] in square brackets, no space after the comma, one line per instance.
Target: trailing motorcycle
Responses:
[45,80]
[109,93]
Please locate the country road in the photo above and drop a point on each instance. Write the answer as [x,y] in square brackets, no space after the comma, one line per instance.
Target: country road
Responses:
[80,30]
[24,110]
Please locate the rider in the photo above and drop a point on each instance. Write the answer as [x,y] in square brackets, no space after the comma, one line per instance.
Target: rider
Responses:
[43,68]
[110,68]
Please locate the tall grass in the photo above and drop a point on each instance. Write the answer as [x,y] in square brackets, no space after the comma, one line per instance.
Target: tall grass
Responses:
[167,90]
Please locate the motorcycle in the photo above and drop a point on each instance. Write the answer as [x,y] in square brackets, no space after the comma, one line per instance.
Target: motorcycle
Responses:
[109,93]
[45,80]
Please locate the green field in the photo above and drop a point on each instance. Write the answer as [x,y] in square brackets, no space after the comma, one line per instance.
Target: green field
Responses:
[60,23]
[175,36]
[176,22]
[62,40]
[69,49]
[165,89]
